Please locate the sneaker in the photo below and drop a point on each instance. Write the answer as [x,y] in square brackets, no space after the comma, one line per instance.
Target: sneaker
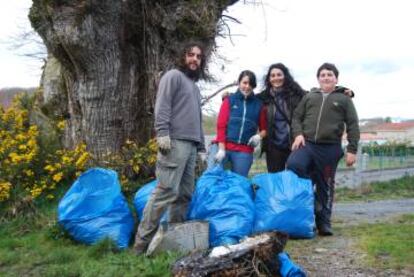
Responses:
[325,230]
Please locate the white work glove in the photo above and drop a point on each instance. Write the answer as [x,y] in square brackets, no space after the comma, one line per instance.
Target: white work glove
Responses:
[254,140]
[164,144]
[221,153]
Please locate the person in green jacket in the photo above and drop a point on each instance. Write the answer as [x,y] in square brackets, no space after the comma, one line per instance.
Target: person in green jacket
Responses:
[281,96]
[318,124]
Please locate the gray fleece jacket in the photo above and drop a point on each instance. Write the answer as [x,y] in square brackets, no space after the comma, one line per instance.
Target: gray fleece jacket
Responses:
[178,109]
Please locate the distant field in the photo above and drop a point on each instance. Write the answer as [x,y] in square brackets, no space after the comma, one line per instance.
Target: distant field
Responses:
[7,95]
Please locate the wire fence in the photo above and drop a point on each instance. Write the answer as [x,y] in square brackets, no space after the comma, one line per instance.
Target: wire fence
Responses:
[378,160]
[377,157]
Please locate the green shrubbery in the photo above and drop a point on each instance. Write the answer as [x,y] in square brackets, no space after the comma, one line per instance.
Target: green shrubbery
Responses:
[389,149]
[35,167]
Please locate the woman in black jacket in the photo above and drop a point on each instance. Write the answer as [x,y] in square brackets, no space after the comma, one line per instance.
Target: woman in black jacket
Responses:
[281,96]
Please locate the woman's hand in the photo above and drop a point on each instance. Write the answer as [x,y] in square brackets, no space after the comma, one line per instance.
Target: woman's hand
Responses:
[220,155]
[254,140]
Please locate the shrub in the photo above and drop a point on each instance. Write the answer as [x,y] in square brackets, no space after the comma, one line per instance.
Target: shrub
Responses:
[34,166]
[134,163]
[31,167]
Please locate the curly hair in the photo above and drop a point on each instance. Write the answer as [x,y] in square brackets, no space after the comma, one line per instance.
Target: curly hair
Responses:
[186,48]
[289,84]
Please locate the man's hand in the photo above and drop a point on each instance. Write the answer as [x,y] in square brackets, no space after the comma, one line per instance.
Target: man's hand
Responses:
[254,140]
[202,156]
[350,159]
[349,93]
[221,153]
[299,142]
[164,144]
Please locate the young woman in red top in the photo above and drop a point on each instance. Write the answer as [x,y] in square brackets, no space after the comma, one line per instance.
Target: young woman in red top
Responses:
[241,125]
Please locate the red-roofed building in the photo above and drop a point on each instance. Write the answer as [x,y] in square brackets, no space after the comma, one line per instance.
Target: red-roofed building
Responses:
[386,132]
[399,132]
[367,138]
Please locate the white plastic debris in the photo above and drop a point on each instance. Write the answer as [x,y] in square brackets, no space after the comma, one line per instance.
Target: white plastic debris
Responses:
[247,243]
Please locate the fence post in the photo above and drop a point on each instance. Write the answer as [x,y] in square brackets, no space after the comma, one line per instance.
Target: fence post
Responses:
[381,160]
[365,161]
[358,168]
[360,160]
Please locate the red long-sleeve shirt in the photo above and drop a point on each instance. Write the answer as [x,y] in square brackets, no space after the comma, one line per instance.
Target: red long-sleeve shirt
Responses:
[222,121]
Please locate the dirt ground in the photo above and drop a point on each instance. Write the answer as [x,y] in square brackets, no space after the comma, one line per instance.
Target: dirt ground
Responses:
[337,255]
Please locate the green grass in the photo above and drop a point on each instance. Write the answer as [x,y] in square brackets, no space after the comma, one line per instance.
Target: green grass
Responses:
[37,247]
[395,189]
[388,245]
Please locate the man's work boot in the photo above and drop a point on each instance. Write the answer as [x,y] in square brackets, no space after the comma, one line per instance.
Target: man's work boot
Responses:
[140,247]
[325,230]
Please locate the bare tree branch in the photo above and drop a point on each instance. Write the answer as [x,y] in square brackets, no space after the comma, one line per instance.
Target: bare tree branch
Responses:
[27,44]
[208,98]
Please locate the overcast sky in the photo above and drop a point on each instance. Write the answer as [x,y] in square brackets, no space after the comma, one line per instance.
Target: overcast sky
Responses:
[16,70]
[369,41]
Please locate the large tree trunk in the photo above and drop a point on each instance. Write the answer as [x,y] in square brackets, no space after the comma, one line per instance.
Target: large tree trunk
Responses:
[112,54]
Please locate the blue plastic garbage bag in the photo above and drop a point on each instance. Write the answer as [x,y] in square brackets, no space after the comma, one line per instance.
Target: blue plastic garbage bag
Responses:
[94,209]
[284,202]
[141,198]
[288,268]
[225,199]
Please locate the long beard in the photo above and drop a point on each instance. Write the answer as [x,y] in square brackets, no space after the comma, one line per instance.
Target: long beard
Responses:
[192,74]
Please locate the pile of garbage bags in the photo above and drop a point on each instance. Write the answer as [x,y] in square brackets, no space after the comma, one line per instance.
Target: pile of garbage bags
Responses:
[94,207]
[236,207]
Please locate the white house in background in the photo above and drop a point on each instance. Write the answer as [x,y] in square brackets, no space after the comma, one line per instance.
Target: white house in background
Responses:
[396,132]
[386,132]
[367,137]
[371,138]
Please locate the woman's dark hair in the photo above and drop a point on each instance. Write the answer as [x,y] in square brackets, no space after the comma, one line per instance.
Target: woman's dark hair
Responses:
[328,66]
[250,75]
[289,84]
[186,48]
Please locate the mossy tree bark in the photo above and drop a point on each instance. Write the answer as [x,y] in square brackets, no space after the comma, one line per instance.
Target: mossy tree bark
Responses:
[111,55]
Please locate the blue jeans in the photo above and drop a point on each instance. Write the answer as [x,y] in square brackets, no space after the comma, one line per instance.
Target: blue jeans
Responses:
[240,161]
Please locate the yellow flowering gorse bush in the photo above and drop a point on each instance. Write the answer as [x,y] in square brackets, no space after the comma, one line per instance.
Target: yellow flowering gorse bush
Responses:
[32,168]
[29,169]
[134,162]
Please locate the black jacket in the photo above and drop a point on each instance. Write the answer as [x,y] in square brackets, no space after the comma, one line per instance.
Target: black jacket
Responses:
[292,100]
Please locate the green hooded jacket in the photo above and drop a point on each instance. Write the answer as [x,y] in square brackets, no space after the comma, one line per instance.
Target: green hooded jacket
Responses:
[324,120]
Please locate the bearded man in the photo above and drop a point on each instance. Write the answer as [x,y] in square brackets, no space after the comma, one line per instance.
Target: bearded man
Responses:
[180,137]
